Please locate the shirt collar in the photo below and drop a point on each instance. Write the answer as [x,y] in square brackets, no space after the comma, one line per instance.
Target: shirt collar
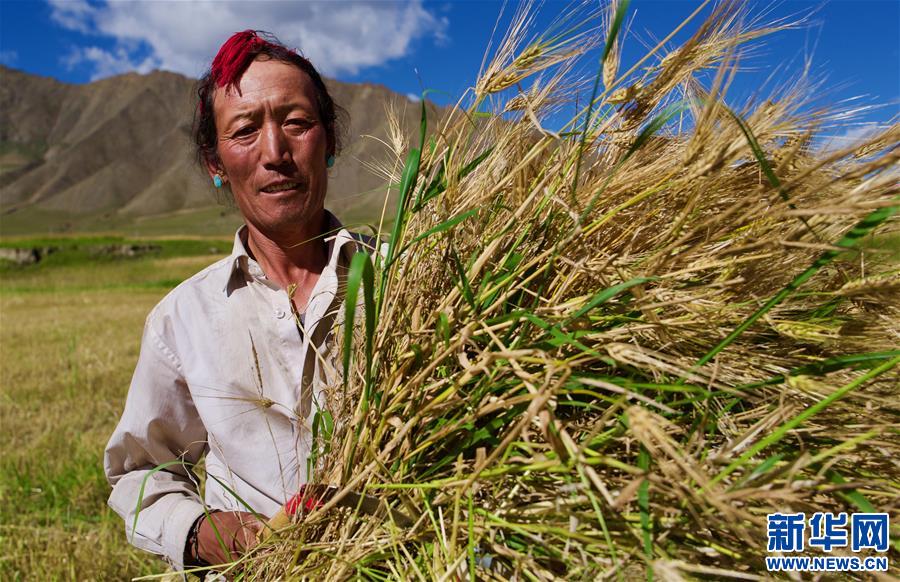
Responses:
[342,245]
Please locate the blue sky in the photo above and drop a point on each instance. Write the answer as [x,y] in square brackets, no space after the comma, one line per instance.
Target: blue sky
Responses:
[854,45]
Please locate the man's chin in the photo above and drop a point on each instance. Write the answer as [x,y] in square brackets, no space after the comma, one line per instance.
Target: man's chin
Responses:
[302,222]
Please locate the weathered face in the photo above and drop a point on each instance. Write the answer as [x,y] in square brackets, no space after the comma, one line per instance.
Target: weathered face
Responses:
[273,147]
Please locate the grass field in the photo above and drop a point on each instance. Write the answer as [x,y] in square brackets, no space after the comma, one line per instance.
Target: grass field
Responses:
[70,332]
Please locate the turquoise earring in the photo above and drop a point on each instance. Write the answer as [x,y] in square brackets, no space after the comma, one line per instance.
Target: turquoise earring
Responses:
[329,161]
[217,181]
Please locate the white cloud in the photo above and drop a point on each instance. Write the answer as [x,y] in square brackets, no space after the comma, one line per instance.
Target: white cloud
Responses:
[107,63]
[850,136]
[337,36]
[72,14]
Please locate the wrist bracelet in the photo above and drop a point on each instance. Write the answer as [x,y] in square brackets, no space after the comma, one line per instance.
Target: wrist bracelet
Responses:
[192,546]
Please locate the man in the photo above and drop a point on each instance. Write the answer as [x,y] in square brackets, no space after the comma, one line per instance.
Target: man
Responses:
[234,361]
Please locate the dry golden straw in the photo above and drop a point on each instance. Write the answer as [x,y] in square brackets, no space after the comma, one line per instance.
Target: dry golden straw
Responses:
[611,350]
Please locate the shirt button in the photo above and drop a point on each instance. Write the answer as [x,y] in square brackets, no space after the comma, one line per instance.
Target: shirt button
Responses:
[279,313]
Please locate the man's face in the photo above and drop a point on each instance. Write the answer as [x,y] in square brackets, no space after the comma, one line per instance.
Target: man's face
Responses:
[273,147]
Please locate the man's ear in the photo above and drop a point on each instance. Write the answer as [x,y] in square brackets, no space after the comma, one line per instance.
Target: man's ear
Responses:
[214,167]
[331,147]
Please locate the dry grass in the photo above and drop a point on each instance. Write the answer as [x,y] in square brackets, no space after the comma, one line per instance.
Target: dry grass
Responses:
[620,346]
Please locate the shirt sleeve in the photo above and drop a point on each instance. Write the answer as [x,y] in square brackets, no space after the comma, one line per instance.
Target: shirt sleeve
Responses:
[149,457]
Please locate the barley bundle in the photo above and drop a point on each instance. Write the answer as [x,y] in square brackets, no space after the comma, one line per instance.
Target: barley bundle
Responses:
[611,349]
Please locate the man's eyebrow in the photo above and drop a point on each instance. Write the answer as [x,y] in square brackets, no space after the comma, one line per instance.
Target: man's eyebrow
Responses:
[239,115]
[293,105]
[251,110]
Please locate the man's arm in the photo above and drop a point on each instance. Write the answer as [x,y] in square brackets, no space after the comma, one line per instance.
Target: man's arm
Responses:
[160,425]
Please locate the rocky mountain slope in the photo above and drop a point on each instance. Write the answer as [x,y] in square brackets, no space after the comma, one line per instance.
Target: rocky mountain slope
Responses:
[118,150]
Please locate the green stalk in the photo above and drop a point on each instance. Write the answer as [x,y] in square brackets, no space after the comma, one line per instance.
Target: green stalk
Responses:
[439,183]
[621,9]
[649,130]
[643,496]
[407,181]
[793,423]
[604,528]
[140,499]
[362,273]
[826,367]
[471,542]
[861,229]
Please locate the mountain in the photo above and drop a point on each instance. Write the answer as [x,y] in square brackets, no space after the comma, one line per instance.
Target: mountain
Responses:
[116,153]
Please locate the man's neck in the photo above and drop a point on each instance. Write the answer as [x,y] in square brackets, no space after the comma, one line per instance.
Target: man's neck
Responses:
[295,258]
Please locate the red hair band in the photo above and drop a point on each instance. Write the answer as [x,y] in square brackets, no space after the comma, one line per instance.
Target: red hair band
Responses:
[235,56]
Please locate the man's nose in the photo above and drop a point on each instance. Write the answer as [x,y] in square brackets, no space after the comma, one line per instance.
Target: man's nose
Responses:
[274,145]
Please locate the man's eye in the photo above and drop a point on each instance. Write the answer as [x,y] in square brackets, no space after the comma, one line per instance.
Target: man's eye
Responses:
[299,123]
[244,131]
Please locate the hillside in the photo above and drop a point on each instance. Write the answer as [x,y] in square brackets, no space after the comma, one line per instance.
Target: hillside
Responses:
[116,154]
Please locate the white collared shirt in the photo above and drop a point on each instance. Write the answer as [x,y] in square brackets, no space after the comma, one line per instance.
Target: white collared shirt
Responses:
[225,371]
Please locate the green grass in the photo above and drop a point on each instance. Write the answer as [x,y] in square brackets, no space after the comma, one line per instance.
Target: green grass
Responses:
[212,221]
[216,221]
[85,264]
[69,339]
[86,251]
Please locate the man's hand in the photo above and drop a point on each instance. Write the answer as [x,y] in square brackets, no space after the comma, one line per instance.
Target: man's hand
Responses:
[237,529]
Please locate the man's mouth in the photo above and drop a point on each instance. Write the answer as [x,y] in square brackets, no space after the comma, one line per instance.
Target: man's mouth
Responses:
[280,187]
